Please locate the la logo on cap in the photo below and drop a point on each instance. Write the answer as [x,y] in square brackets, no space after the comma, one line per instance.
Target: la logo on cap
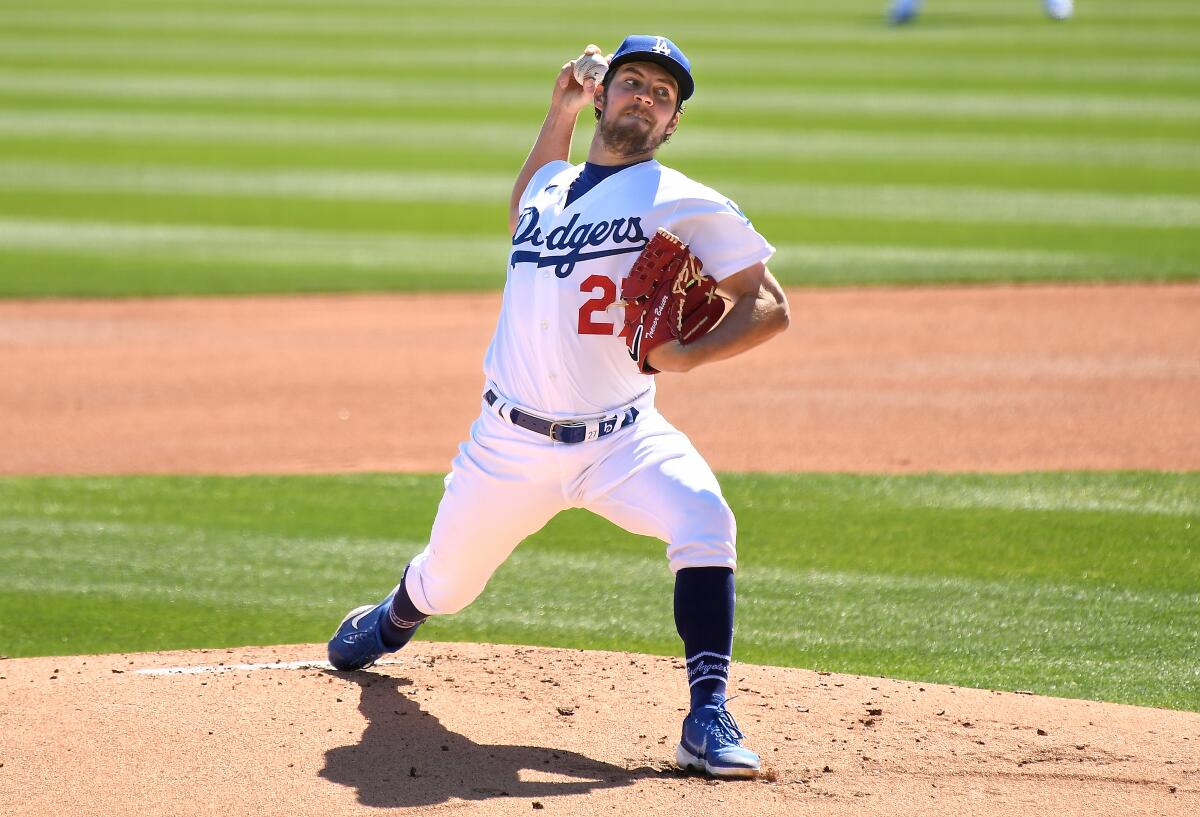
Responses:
[653,48]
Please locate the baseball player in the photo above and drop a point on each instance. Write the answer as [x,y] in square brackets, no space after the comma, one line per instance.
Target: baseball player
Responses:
[902,11]
[567,417]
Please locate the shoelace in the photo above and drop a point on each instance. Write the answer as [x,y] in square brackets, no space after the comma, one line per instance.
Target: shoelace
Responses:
[724,726]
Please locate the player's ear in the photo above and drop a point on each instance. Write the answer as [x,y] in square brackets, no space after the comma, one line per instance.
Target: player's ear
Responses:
[673,124]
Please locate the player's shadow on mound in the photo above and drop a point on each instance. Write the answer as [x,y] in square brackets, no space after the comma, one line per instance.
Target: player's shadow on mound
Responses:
[407,758]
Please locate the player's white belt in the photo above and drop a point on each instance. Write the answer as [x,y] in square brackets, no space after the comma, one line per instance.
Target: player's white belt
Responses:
[564,431]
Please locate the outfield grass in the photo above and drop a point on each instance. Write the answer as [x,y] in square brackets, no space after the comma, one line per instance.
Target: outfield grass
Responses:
[211,146]
[1079,585]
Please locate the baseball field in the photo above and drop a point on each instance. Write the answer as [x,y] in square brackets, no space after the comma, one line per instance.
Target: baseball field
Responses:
[250,258]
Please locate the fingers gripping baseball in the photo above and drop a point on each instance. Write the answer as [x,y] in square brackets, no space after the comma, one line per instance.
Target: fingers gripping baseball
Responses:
[579,78]
[591,65]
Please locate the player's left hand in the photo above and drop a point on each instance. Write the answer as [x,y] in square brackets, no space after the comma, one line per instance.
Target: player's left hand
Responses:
[668,301]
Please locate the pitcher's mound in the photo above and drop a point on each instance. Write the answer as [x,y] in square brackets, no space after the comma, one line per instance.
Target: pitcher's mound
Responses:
[486,729]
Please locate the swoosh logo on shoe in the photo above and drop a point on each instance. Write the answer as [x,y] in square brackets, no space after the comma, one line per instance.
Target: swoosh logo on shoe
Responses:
[354,621]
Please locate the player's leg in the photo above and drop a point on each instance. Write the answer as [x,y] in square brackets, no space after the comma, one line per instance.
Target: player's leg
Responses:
[504,486]
[502,489]
[654,482]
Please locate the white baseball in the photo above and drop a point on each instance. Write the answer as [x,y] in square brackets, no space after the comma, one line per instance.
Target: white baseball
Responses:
[590,65]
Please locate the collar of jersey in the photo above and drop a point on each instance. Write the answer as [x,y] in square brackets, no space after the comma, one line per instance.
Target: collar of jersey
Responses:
[578,169]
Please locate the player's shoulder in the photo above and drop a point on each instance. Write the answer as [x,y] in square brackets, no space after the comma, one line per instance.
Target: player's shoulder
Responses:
[551,170]
[694,199]
[681,186]
[546,178]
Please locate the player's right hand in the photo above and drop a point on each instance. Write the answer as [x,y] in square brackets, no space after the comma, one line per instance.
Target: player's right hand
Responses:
[568,94]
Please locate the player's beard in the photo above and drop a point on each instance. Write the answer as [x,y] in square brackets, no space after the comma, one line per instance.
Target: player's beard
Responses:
[627,136]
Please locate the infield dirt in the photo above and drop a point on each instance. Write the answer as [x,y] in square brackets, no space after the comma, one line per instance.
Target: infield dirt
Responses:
[877,380]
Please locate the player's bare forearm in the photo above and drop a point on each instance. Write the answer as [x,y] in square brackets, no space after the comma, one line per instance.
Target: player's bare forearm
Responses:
[756,316]
[554,139]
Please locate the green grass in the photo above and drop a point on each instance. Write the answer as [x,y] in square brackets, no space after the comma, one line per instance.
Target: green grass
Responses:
[210,146]
[1079,585]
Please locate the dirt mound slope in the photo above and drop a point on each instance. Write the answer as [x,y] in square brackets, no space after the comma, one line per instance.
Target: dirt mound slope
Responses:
[876,380]
[497,730]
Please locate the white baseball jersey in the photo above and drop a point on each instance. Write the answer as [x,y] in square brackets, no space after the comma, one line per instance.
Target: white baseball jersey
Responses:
[556,349]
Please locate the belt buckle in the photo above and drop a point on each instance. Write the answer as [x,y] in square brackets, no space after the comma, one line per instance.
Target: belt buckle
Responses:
[556,425]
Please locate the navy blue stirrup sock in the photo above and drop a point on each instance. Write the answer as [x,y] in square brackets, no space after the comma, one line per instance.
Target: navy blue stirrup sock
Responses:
[402,619]
[704,602]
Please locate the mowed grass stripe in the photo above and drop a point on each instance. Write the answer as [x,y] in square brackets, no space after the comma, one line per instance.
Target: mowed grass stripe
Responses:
[811,8]
[906,148]
[896,202]
[503,139]
[149,272]
[972,205]
[307,247]
[106,259]
[360,91]
[141,569]
[724,68]
[1069,584]
[143,561]
[763,27]
[1141,30]
[445,254]
[200,129]
[299,183]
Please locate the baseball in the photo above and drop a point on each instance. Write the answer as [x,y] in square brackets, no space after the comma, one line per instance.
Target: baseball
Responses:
[590,65]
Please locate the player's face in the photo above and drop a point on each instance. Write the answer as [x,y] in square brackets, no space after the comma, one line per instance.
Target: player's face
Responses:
[639,109]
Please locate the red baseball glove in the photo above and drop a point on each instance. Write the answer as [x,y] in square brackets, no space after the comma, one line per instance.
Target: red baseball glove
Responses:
[667,298]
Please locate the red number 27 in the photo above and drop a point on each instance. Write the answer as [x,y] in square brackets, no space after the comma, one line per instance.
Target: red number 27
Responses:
[598,303]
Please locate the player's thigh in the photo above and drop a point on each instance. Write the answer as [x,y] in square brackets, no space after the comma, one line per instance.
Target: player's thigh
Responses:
[502,489]
[656,484]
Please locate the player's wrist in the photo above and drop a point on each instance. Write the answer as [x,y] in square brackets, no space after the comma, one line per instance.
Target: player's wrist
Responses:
[673,357]
[560,118]
[567,108]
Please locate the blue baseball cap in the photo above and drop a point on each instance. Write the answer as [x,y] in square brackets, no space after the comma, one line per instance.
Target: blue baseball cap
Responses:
[650,48]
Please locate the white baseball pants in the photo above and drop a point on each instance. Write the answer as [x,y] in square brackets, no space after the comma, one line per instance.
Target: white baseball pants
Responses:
[507,482]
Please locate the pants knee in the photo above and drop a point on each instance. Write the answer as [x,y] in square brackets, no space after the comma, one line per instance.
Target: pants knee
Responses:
[706,535]
[439,594]
[446,600]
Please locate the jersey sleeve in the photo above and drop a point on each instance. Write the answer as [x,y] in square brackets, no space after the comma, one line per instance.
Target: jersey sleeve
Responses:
[721,236]
[539,180]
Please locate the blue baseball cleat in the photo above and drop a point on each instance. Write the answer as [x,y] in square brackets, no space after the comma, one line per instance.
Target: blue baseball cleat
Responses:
[711,743]
[357,643]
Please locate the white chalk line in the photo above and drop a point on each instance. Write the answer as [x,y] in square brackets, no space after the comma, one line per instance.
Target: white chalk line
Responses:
[213,669]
